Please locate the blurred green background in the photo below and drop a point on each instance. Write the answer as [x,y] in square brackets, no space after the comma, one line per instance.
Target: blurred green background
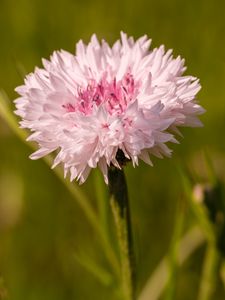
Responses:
[41,225]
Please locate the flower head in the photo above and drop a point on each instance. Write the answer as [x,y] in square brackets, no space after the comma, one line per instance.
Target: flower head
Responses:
[104,100]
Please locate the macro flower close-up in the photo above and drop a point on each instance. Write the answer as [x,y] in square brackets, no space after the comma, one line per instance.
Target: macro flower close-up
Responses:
[107,191]
[89,105]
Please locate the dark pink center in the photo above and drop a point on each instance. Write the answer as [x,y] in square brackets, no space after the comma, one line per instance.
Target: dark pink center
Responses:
[115,95]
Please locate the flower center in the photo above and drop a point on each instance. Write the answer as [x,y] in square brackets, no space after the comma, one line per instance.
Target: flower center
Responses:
[114,95]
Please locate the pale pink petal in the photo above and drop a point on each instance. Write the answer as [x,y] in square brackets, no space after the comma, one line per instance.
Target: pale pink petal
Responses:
[102,100]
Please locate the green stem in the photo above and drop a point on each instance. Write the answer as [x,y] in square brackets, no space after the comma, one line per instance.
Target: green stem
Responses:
[157,281]
[120,208]
[173,259]
[210,273]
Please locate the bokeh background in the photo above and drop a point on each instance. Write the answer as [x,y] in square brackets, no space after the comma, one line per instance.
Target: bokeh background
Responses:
[41,226]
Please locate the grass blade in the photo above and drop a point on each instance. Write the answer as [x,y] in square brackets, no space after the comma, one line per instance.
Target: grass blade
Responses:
[157,282]
[74,190]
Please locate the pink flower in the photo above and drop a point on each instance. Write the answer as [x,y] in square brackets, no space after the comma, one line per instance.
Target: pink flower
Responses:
[88,106]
